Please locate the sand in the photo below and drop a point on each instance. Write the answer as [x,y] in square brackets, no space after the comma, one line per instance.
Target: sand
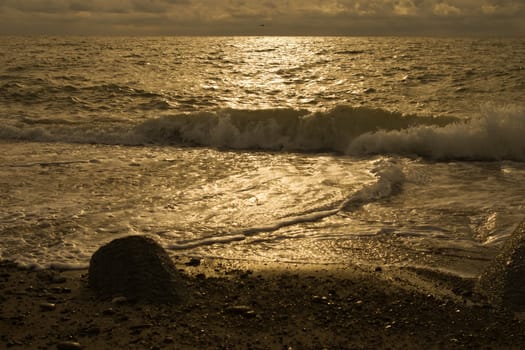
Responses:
[242,305]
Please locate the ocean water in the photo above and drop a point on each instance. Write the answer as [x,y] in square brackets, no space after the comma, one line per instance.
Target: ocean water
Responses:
[329,150]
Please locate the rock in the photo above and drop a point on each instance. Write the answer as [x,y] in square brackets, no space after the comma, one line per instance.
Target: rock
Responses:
[119,300]
[47,306]
[141,326]
[503,282]
[12,343]
[61,290]
[320,299]
[50,276]
[193,262]
[108,312]
[58,279]
[89,331]
[242,310]
[136,267]
[69,345]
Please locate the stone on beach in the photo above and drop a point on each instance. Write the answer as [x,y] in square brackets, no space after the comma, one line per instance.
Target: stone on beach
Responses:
[69,345]
[503,282]
[136,267]
[47,306]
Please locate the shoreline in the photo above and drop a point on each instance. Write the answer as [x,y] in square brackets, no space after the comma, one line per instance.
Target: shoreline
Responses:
[240,305]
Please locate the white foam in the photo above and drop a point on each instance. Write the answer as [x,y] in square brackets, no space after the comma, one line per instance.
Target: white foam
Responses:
[389,176]
[285,129]
[277,129]
[495,134]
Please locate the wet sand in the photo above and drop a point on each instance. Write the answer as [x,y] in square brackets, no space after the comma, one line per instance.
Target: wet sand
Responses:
[240,305]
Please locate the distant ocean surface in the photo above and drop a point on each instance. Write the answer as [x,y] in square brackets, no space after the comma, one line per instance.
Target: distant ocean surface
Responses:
[336,150]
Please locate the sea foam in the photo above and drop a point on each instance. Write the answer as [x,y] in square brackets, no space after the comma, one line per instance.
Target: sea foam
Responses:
[388,175]
[495,134]
[278,129]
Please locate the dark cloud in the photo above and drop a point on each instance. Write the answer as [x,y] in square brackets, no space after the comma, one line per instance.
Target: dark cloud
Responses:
[288,17]
[80,6]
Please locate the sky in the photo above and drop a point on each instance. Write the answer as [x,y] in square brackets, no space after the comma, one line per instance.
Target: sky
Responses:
[263,17]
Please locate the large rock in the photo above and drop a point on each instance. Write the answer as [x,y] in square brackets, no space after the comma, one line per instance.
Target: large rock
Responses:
[503,282]
[136,267]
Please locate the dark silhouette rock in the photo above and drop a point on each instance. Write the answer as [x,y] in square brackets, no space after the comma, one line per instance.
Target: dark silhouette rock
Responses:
[503,282]
[136,267]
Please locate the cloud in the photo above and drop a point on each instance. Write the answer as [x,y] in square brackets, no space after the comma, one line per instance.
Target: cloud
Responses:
[289,17]
[405,8]
[444,9]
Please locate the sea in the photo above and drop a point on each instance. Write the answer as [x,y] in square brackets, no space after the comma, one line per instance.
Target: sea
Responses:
[379,151]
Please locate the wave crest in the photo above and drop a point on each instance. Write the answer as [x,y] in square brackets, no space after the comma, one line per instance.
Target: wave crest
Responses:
[278,129]
[496,134]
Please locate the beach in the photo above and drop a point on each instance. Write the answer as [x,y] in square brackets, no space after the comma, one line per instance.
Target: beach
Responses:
[238,305]
[313,192]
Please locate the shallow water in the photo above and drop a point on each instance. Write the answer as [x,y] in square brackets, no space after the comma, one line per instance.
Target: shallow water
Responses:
[384,151]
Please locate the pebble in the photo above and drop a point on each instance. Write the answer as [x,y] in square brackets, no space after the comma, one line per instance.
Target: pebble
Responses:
[246,274]
[319,299]
[69,345]
[242,310]
[119,300]
[58,279]
[141,326]
[90,331]
[108,312]
[51,277]
[193,262]
[47,306]
[61,290]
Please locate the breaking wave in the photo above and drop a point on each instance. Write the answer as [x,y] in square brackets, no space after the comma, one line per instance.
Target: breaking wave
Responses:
[278,129]
[495,134]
